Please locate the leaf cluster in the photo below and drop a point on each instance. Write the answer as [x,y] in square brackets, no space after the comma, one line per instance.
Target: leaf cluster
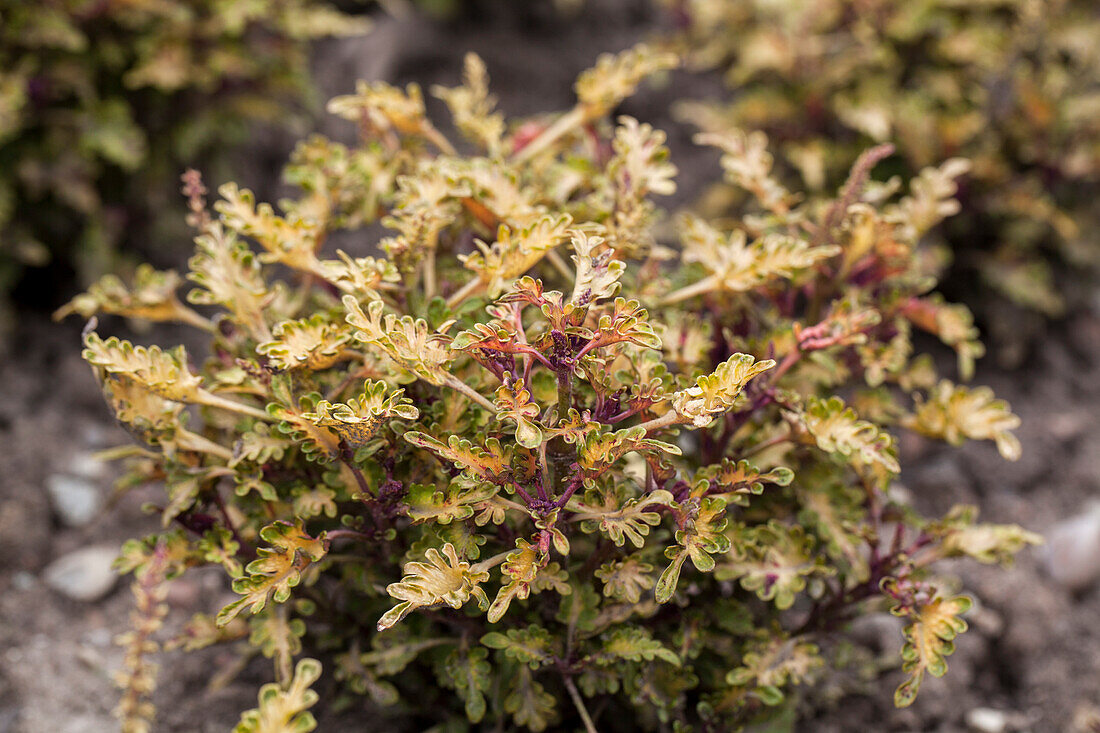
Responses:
[100,105]
[1010,85]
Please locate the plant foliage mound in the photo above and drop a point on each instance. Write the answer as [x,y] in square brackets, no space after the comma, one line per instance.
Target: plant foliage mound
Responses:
[1012,85]
[529,463]
[100,101]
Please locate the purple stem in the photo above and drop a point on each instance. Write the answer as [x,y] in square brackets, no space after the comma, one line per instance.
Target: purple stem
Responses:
[575,482]
[527,498]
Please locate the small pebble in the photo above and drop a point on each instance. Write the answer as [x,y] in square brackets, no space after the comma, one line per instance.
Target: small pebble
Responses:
[1067,425]
[83,575]
[85,464]
[99,637]
[987,720]
[76,501]
[1072,552]
[1086,719]
[90,658]
[900,493]
[23,580]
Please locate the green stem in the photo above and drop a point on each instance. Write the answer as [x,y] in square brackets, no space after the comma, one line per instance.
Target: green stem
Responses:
[516,506]
[193,318]
[193,441]
[435,137]
[565,392]
[699,288]
[669,418]
[560,454]
[491,563]
[212,400]
[454,383]
[429,274]
[771,442]
[464,292]
[562,126]
[578,702]
[559,264]
[351,534]
[413,292]
[347,458]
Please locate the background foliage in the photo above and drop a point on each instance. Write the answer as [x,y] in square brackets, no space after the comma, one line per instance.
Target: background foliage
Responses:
[1012,85]
[104,101]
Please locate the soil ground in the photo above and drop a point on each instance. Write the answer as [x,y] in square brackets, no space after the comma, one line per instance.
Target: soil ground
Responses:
[1033,650]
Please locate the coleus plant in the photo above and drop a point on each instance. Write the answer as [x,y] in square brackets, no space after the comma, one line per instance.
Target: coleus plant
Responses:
[526,463]
[1009,84]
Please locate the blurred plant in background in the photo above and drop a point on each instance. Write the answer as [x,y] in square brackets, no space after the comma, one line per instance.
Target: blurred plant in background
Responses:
[104,102]
[524,465]
[1012,85]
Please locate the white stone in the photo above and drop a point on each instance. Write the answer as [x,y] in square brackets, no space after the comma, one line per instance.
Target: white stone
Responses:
[75,500]
[987,720]
[23,580]
[83,575]
[1072,552]
[85,464]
